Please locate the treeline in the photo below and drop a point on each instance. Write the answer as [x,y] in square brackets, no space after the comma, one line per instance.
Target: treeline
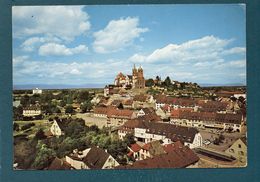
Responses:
[52,103]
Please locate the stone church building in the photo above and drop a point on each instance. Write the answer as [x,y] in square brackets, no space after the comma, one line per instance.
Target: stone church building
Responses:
[136,80]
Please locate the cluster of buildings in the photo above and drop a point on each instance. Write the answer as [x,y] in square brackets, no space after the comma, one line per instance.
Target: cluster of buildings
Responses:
[136,80]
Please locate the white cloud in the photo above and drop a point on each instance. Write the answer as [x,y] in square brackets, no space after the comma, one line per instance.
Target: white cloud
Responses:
[64,22]
[39,71]
[19,59]
[31,43]
[235,50]
[204,49]
[117,35]
[53,49]
[238,64]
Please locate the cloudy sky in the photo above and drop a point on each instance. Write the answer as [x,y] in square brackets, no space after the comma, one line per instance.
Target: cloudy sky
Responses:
[90,44]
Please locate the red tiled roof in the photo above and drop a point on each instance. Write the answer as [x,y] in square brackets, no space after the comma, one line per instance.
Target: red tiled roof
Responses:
[171,147]
[207,116]
[135,147]
[140,98]
[122,113]
[179,158]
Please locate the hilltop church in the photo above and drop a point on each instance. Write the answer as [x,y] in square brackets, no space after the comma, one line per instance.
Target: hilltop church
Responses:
[136,80]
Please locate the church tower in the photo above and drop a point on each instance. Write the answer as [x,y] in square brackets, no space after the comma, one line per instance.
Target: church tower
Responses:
[138,78]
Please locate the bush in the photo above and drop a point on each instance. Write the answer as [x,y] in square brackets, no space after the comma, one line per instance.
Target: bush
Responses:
[27,126]
[16,127]
[40,135]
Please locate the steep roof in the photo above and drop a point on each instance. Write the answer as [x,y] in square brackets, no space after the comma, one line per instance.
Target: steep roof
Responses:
[59,164]
[96,158]
[179,158]
[172,147]
[244,140]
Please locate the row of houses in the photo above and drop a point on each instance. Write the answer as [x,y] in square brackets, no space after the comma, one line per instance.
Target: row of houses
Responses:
[147,131]
[154,155]
[223,121]
[195,104]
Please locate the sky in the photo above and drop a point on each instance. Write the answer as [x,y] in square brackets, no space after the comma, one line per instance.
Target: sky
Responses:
[76,45]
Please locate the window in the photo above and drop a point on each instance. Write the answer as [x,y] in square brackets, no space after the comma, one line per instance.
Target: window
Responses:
[241,153]
[239,146]
[231,150]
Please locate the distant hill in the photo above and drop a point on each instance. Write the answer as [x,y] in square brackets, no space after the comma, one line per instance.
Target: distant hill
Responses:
[55,86]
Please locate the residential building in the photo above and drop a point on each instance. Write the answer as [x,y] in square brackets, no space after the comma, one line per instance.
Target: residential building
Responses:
[223,121]
[32,111]
[59,164]
[181,157]
[239,150]
[57,128]
[145,131]
[37,91]
[91,158]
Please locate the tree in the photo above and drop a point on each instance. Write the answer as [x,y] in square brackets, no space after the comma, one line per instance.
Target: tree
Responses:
[129,139]
[149,82]
[18,113]
[44,156]
[16,127]
[86,106]
[69,109]
[167,81]
[74,129]
[158,78]
[25,100]
[40,135]
[27,126]
[83,96]
[94,128]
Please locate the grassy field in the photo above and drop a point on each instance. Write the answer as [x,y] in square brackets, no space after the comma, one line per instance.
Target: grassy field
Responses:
[44,124]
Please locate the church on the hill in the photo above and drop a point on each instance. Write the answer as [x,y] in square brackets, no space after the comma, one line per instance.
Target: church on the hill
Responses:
[136,80]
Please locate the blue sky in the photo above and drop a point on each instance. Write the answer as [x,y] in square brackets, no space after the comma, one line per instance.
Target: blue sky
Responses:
[91,44]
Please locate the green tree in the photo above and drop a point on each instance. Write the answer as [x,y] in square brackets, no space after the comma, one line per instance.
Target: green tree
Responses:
[44,156]
[83,96]
[16,127]
[69,109]
[74,129]
[129,139]
[17,113]
[25,100]
[149,82]
[86,106]
[40,134]
[167,81]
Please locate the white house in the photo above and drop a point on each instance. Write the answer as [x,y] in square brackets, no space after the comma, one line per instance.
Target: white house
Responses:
[91,158]
[37,91]
[239,150]
[150,131]
[32,111]
[56,128]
